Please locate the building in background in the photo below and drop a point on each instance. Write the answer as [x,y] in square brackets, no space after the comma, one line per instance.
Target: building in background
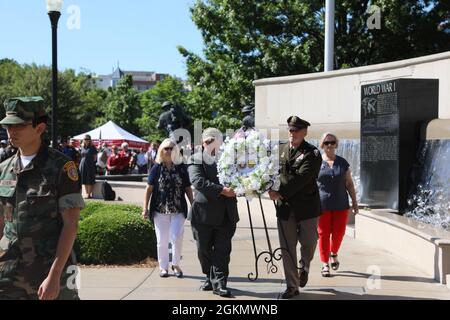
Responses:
[142,80]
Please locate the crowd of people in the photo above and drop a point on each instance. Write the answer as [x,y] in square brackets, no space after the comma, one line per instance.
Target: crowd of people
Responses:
[104,160]
[110,159]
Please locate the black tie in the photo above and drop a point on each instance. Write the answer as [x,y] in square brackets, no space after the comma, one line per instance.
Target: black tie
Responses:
[291,152]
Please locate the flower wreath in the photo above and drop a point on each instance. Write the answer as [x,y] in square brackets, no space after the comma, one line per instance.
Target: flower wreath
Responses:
[248,164]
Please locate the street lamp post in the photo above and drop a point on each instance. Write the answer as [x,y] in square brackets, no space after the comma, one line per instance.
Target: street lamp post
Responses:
[54,12]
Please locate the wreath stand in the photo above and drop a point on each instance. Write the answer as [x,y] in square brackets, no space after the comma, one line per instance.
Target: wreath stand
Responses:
[270,255]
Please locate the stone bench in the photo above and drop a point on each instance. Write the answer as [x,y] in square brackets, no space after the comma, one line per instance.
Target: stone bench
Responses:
[423,246]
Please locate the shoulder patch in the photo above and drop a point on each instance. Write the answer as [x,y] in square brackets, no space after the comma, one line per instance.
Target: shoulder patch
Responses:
[71,169]
[316,152]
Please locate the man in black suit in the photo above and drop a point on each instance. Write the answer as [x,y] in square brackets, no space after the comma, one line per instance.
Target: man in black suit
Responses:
[298,204]
[213,215]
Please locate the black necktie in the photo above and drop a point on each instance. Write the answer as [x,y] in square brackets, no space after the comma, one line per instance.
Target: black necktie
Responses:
[291,152]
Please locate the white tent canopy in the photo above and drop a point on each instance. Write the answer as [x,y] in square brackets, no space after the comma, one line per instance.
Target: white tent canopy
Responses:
[111,133]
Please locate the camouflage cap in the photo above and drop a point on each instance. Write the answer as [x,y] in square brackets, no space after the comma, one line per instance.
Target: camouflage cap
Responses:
[22,109]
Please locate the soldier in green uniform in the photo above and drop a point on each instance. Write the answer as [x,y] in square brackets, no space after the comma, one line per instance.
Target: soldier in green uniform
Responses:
[297,204]
[40,202]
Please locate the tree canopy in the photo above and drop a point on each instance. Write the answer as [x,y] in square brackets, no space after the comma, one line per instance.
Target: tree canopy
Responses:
[248,40]
[78,99]
[243,41]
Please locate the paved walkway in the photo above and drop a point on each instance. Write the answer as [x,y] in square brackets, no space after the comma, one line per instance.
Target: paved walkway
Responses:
[357,277]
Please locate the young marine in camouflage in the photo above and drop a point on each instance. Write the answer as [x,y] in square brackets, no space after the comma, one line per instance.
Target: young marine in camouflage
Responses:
[39,210]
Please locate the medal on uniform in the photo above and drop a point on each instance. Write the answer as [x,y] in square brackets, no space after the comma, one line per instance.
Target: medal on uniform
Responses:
[300,157]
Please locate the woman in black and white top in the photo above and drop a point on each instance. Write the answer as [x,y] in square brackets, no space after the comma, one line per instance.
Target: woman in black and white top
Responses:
[168,183]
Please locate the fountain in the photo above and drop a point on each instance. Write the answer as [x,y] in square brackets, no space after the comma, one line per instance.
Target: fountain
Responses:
[429,200]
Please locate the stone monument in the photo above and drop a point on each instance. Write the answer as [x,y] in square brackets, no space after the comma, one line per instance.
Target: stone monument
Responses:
[393,117]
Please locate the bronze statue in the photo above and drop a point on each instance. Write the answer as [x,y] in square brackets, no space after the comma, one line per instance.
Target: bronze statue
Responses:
[249,117]
[173,118]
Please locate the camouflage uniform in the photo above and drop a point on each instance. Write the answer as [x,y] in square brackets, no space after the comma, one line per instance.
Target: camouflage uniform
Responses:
[31,202]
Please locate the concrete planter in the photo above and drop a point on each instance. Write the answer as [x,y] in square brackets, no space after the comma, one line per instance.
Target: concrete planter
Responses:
[420,245]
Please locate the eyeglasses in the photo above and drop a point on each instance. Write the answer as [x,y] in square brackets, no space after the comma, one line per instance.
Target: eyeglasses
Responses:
[168,149]
[327,143]
[17,126]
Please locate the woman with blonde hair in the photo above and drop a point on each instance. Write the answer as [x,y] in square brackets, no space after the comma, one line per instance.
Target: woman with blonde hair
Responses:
[168,183]
[335,184]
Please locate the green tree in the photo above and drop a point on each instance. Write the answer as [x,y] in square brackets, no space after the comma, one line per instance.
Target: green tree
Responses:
[78,99]
[248,40]
[122,106]
[91,103]
[11,74]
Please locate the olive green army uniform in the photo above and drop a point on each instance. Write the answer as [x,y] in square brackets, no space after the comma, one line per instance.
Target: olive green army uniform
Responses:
[299,208]
[32,200]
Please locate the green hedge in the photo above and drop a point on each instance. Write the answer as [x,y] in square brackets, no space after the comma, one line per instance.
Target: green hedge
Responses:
[92,207]
[114,234]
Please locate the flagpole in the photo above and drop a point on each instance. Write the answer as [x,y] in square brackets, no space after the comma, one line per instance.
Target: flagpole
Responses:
[329,35]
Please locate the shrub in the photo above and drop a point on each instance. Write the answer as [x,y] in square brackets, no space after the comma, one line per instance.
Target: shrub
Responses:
[114,234]
[93,207]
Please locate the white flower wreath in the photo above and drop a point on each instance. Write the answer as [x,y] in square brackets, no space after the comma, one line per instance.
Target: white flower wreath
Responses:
[248,164]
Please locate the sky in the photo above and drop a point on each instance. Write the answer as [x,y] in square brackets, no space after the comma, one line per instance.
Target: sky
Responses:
[97,35]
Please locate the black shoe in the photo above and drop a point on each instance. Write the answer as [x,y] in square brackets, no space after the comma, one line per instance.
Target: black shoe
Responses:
[335,264]
[163,273]
[290,293]
[303,278]
[222,291]
[177,271]
[206,286]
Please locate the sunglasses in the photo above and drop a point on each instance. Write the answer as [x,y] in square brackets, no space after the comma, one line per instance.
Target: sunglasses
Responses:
[208,142]
[168,149]
[327,143]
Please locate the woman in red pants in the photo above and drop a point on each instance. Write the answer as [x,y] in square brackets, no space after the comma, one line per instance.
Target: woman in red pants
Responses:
[335,184]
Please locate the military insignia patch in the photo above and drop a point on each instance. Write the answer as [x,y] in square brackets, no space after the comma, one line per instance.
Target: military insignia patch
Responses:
[71,170]
[317,152]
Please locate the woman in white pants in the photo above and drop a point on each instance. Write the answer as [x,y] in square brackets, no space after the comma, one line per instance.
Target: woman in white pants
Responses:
[167,185]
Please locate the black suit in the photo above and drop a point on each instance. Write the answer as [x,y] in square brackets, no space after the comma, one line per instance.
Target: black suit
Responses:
[213,219]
